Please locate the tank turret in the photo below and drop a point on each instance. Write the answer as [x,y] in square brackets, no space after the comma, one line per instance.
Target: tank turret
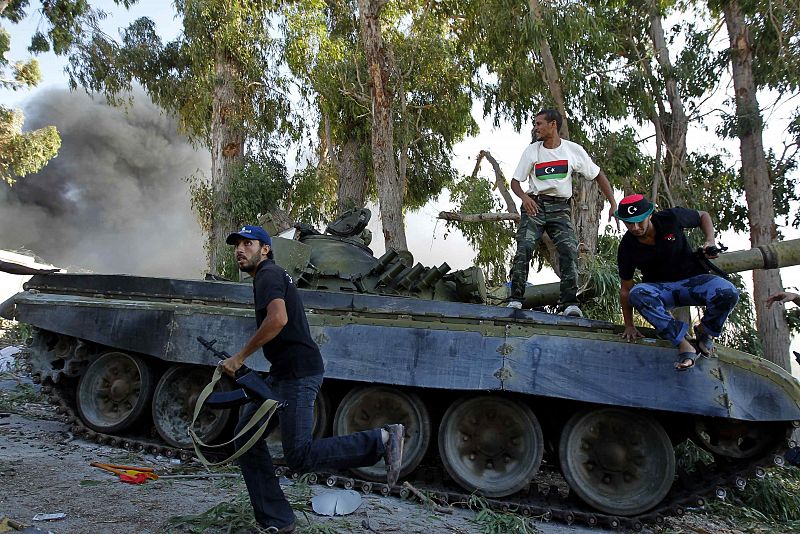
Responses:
[340,260]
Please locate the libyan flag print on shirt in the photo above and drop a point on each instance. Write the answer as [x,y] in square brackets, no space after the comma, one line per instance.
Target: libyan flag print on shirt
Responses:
[552,170]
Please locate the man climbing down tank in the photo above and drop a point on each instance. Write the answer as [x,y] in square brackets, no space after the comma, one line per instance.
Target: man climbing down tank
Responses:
[672,276]
[296,377]
[548,166]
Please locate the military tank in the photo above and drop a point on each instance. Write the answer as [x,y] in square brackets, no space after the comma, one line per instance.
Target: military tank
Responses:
[492,398]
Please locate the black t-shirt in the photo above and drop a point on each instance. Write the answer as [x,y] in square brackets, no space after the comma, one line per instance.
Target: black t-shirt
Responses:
[292,352]
[670,259]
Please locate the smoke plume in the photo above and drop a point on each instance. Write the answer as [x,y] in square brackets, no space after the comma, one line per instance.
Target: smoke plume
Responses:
[114,200]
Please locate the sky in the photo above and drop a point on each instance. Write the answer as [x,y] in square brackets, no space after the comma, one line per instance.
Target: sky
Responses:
[427,237]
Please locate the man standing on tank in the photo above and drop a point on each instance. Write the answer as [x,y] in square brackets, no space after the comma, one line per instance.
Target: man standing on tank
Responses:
[672,276]
[548,165]
[296,376]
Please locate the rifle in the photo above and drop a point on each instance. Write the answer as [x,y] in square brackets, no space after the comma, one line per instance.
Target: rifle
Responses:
[703,253]
[251,388]
[251,385]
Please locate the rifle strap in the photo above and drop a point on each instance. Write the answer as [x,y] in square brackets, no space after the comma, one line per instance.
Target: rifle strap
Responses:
[711,266]
[267,409]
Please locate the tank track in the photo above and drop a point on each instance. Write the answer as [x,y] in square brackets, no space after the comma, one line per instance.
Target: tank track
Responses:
[540,502]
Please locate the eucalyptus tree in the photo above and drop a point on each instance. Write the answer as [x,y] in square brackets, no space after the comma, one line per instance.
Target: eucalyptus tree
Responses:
[547,54]
[653,87]
[391,187]
[672,134]
[26,152]
[21,153]
[764,46]
[392,95]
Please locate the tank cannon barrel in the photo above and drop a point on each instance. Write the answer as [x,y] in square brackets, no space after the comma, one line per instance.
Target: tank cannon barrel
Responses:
[772,256]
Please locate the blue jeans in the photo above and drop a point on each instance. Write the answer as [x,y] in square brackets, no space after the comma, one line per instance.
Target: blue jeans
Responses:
[301,452]
[653,299]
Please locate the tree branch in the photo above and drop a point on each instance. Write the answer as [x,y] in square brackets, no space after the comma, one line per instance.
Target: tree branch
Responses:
[478,217]
[360,99]
[500,180]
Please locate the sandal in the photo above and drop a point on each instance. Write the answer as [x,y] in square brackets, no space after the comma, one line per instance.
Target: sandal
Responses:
[682,357]
[703,341]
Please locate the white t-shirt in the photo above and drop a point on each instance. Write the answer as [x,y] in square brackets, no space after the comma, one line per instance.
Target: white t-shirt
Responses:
[549,170]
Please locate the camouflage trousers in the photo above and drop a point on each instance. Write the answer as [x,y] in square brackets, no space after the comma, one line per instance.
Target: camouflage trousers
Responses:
[654,299]
[554,218]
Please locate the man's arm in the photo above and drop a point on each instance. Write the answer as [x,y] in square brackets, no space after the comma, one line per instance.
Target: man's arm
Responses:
[527,202]
[272,325]
[707,226]
[783,297]
[608,192]
[630,333]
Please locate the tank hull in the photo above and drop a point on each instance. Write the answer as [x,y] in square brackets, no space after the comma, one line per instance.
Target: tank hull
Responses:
[411,343]
[487,395]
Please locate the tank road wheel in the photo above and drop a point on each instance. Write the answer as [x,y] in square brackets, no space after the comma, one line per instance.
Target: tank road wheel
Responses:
[618,461]
[738,439]
[492,444]
[364,408]
[114,392]
[173,405]
[322,410]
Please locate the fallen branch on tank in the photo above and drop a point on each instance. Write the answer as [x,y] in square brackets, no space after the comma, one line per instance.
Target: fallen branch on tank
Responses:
[478,217]
[500,185]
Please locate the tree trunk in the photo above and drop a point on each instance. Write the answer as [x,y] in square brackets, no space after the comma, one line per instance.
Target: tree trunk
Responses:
[391,188]
[352,171]
[227,154]
[587,201]
[587,205]
[671,129]
[550,71]
[677,123]
[771,322]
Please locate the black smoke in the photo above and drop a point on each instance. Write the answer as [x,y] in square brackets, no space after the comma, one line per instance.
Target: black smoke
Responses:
[114,200]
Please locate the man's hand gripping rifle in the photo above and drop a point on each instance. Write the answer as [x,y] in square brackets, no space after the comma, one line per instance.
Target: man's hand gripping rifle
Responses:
[251,388]
[251,385]
[704,253]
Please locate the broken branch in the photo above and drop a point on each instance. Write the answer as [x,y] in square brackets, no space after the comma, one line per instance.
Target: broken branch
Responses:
[500,181]
[427,500]
[477,217]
